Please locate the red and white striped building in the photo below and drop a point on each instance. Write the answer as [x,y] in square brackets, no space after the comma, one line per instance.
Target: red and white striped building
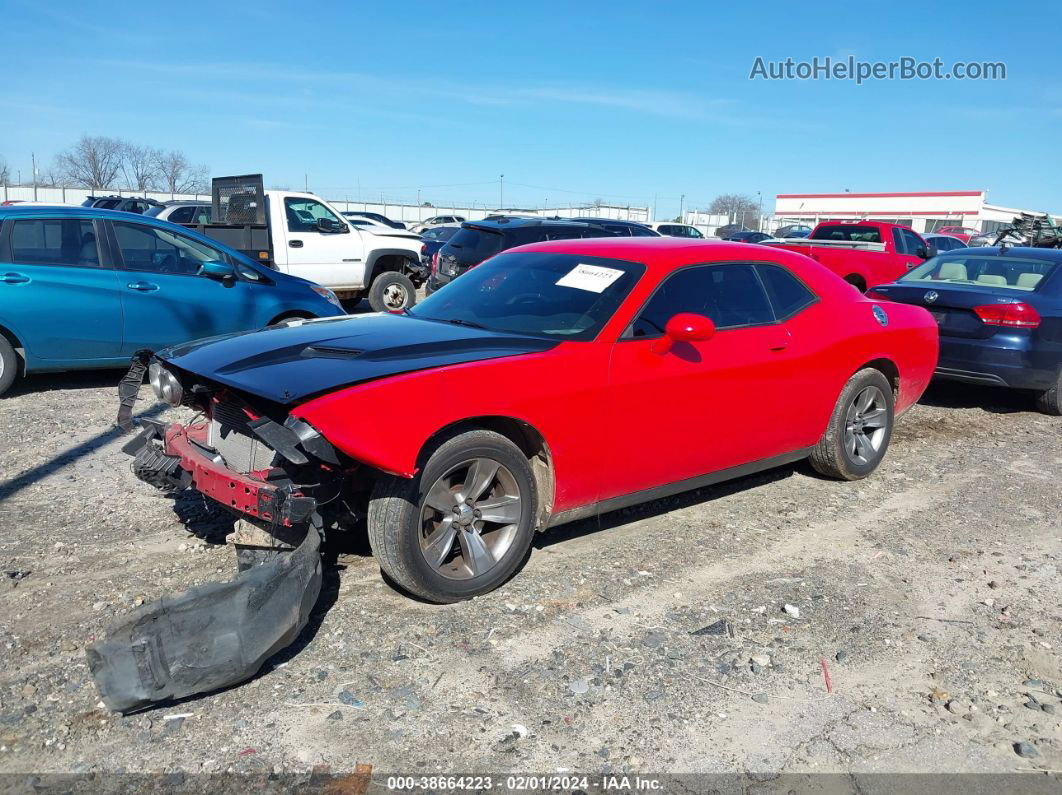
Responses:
[924,211]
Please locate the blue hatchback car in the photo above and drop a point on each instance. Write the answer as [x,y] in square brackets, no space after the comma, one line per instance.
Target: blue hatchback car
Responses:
[1000,316]
[85,288]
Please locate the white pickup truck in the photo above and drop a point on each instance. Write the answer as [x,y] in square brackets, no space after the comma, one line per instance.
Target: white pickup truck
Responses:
[302,234]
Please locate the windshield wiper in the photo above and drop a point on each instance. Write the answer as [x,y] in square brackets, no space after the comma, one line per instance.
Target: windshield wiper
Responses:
[468,323]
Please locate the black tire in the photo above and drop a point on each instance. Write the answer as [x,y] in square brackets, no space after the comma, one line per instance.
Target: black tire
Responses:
[388,284]
[1049,402]
[395,526]
[9,365]
[832,456]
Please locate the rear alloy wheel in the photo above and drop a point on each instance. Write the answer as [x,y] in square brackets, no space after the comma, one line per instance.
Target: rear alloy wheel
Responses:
[8,365]
[463,526]
[392,292]
[860,428]
[1050,402]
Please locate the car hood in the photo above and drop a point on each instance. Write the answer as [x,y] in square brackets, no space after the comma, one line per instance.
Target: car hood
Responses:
[292,362]
[390,232]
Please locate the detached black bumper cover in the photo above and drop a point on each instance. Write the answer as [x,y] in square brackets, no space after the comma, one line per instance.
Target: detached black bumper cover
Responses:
[210,636]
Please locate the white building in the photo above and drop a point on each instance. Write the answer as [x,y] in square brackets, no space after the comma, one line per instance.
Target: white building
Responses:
[922,211]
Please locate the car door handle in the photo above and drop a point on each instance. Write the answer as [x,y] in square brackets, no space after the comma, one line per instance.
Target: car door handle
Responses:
[295,243]
[143,287]
[14,278]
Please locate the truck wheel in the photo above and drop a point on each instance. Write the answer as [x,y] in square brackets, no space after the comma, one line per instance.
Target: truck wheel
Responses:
[856,281]
[1049,402]
[860,428]
[8,365]
[392,291]
[462,526]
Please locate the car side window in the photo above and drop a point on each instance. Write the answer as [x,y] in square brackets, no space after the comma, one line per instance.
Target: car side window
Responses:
[913,243]
[731,295]
[788,295]
[54,241]
[148,248]
[302,214]
[182,215]
[900,243]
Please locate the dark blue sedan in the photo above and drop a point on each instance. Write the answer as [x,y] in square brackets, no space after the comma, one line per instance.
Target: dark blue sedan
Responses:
[1000,316]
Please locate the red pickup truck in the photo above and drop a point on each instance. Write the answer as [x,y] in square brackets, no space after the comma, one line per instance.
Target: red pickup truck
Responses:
[863,253]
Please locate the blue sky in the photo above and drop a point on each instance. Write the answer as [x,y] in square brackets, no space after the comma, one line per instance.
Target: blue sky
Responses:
[622,101]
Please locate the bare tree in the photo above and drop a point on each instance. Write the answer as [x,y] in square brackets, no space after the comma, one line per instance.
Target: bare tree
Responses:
[177,175]
[93,162]
[49,178]
[5,172]
[737,208]
[140,165]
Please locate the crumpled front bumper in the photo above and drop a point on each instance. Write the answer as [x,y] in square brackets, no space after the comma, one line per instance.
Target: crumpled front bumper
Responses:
[184,459]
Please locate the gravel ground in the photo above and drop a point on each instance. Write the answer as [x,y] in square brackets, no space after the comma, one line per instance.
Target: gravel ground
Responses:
[930,591]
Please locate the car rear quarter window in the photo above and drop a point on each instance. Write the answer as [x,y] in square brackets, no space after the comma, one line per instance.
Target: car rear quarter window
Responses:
[731,295]
[54,241]
[788,295]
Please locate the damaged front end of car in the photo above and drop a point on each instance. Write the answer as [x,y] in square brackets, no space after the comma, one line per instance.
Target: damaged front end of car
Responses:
[277,474]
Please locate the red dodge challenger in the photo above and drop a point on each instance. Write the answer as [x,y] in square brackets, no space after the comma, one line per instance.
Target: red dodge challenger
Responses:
[553,382]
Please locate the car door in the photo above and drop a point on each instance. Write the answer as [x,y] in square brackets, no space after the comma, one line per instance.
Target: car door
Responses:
[164,299]
[56,292]
[335,259]
[699,407]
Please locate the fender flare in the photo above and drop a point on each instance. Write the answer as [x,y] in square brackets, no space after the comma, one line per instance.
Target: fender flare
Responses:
[372,261]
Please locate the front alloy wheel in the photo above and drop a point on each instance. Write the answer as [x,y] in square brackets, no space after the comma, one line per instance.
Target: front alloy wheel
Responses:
[469,519]
[463,526]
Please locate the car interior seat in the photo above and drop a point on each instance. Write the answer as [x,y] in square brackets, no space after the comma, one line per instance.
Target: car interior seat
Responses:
[992,278]
[1029,280]
[953,272]
[88,254]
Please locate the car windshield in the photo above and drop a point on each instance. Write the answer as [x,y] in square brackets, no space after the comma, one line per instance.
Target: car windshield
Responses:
[1008,272]
[537,293]
[153,211]
[861,234]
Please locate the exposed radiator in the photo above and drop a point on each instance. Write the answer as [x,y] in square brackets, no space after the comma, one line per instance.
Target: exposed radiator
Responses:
[229,435]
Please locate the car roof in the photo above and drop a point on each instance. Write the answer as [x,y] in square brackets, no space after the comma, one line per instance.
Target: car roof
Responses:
[1049,254]
[662,252]
[501,224]
[176,202]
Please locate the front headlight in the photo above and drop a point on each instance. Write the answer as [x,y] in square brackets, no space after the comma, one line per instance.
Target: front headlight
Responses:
[328,295]
[165,384]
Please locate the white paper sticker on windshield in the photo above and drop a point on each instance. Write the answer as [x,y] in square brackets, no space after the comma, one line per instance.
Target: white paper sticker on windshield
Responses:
[589,277]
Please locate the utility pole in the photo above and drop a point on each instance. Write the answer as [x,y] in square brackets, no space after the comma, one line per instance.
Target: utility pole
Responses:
[682,202]
[33,157]
[759,212]
[501,191]
[306,182]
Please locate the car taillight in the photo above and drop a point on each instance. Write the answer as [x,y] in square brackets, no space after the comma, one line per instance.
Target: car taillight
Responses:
[435,262]
[1017,315]
[424,248]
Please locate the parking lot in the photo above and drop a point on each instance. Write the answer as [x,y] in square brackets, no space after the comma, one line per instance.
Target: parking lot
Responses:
[929,593]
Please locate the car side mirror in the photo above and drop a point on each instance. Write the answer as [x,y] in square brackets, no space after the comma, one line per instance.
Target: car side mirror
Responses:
[685,327]
[328,225]
[219,271]
[927,251]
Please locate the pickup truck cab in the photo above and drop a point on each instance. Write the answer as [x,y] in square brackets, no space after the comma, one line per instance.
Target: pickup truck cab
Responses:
[303,235]
[863,253]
